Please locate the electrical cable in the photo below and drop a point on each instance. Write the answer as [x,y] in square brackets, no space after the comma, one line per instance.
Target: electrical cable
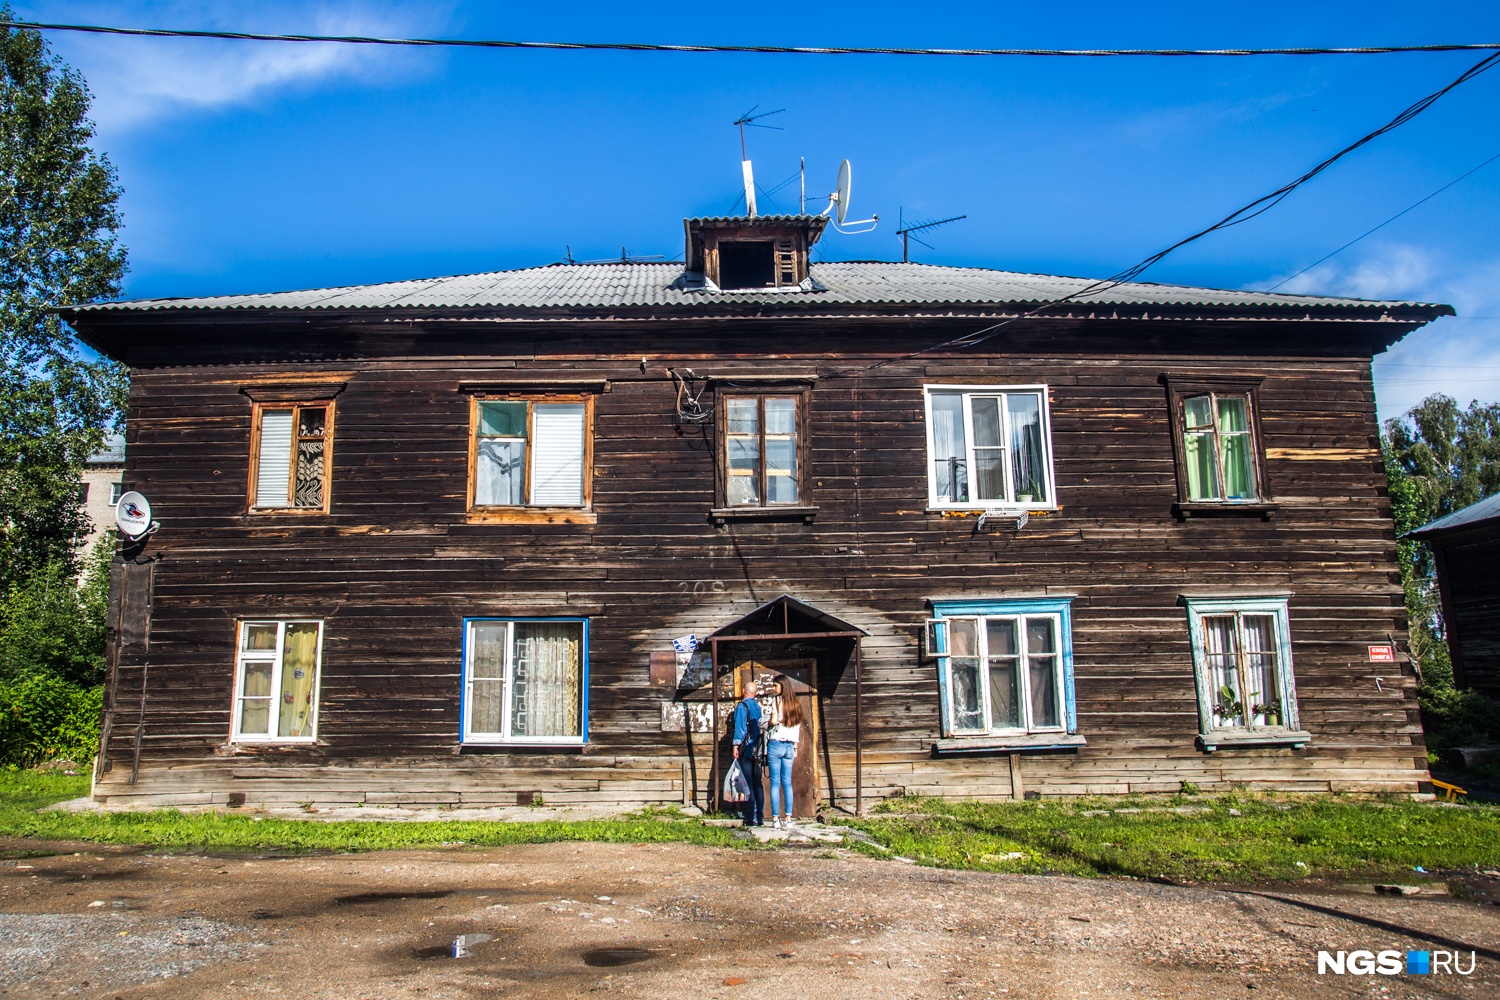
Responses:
[812,50]
[1387,222]
[1245,213]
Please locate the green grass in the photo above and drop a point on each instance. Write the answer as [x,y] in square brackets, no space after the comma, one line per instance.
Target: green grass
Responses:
[22,793]
[1329,836]
[1231,838]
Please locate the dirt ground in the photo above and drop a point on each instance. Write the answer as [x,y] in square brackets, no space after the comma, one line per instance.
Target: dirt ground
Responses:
[566,920]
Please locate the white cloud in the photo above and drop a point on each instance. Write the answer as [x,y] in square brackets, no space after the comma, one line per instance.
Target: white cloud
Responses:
[1459,356]
[139,81]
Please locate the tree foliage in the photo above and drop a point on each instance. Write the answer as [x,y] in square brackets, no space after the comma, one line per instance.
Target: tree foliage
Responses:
[1439,459]
[59,216]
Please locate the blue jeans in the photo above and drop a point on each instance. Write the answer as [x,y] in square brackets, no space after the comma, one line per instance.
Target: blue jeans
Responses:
[781,754]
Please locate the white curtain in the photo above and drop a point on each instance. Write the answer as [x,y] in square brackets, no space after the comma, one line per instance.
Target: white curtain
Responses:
[487,644]
[1223,674]
[501,473]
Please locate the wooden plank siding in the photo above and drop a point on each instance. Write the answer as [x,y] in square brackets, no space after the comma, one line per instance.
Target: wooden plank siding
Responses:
[393,568]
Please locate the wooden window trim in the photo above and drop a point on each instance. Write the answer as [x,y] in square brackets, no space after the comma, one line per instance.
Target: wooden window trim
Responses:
[1179,388]
[525,513]
[239,739]
[804,509]
[257,409]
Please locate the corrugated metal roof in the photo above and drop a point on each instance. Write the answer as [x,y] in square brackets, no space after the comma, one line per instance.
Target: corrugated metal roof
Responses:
[1487,509]
[620,285]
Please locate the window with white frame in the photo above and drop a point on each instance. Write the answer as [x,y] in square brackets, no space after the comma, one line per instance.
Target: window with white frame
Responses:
[525,681]
[1243,660]
[276,681]
[1004,667]
[989,447]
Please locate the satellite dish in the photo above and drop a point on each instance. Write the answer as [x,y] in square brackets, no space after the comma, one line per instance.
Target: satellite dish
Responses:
[841,193]
[133,515]
[838,204]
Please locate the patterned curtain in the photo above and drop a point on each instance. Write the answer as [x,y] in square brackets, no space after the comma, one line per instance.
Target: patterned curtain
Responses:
[547,676]
[299,674]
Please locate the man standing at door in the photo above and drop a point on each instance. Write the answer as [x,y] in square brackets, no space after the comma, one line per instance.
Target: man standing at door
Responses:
[746,740]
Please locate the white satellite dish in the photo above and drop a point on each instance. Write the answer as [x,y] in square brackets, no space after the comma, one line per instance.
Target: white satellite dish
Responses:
[133,515]
[838,203]
[841,193]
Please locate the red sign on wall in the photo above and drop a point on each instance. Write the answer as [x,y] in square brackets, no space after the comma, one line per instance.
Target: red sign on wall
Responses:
[1383,654]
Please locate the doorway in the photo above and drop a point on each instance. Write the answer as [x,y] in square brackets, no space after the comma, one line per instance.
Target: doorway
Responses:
[803,673]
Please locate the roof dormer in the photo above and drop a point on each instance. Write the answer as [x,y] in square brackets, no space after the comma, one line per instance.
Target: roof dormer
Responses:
[752,251]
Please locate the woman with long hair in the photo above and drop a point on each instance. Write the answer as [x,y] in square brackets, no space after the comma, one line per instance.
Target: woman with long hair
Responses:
[786,732]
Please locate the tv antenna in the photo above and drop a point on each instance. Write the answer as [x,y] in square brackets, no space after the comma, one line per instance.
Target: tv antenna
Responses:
[905,232]
[838,204]
[751,119]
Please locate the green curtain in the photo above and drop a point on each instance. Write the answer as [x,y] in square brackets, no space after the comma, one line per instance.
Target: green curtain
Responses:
[1234,431]
[1198,444]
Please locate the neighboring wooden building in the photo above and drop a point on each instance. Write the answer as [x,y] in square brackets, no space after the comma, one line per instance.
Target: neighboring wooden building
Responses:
[1466,548]
[431,541]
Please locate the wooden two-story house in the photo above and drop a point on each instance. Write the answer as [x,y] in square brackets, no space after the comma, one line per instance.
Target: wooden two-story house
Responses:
[475,539]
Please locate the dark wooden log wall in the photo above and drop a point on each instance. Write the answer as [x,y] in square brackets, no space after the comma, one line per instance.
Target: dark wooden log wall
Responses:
[394,568]
[1466,563]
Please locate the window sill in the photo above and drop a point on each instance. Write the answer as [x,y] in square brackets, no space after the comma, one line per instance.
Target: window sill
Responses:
[531,515]
[1008,744]
[288,511]
[1011,508]
[507,746]
[1184,509]
[721,514]
[1209,742]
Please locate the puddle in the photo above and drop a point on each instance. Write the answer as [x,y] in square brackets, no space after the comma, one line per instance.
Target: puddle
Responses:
[460,947]
[386,897]
[610,957]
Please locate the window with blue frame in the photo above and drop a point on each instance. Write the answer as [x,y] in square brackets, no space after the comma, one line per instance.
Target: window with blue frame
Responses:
[525,681]
[1005,667]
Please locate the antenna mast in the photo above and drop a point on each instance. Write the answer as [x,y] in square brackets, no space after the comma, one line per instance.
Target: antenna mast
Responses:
[905,232]
[750,118]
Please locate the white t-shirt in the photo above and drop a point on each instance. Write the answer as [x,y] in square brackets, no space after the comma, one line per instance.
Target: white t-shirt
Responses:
[787,734]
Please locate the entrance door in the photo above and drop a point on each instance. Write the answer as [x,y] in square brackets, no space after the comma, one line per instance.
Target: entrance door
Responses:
[803,673]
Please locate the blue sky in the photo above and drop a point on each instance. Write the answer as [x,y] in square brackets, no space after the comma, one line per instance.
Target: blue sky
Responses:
[258,166]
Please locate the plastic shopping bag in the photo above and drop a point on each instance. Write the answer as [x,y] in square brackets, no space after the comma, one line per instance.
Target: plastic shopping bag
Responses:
[736,788]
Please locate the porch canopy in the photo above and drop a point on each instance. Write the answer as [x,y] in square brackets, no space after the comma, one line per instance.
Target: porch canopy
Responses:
[786,618]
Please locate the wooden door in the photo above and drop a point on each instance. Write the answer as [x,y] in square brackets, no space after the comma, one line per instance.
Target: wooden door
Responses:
[803,673]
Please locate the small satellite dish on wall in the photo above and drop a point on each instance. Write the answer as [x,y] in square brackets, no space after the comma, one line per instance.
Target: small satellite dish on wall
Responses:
[133,515]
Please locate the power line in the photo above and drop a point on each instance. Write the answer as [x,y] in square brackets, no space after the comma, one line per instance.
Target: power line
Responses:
[1387,222]
[799,50]
[1245,213]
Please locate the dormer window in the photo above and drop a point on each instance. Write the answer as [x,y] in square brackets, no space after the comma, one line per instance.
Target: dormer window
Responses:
[753,252]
